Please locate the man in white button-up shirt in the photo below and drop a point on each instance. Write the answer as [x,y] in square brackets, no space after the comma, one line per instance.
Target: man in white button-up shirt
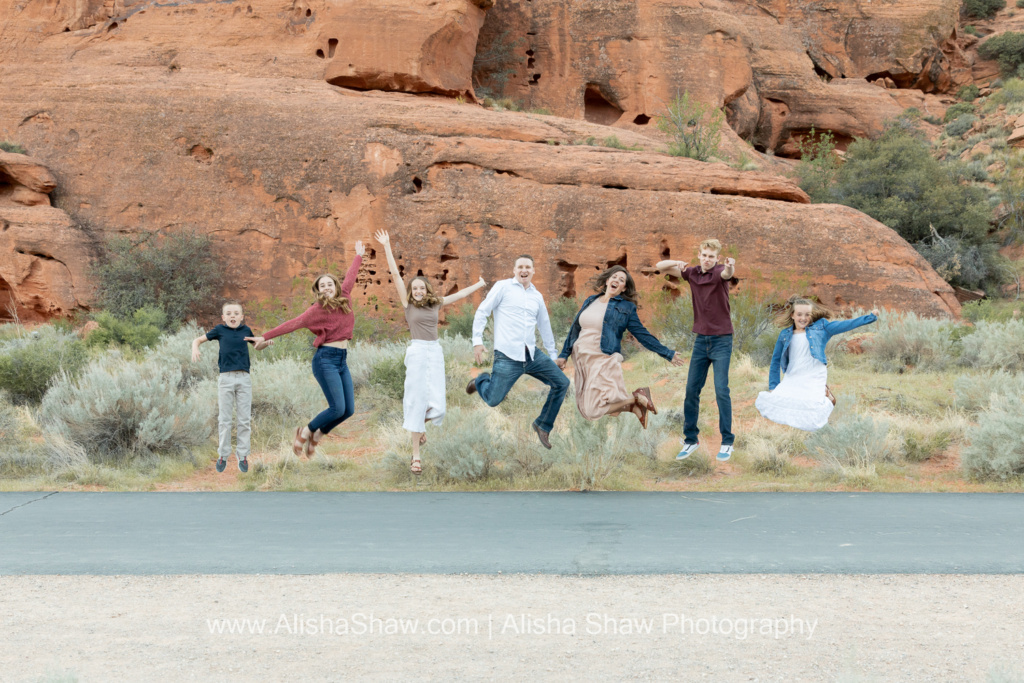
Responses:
[518,310]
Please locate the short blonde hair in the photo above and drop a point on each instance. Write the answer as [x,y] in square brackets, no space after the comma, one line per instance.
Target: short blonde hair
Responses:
[713,245]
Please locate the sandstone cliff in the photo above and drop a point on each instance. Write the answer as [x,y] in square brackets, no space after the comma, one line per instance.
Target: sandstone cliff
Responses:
[218,116]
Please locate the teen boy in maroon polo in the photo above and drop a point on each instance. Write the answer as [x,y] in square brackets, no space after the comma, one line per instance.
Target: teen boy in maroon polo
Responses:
[709,290]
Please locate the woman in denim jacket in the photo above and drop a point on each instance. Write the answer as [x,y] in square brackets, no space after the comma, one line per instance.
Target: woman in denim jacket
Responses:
[595,343]
[802,398]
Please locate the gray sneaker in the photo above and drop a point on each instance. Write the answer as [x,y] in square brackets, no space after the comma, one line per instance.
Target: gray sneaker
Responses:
[243,465]
[221,464]
[688,450]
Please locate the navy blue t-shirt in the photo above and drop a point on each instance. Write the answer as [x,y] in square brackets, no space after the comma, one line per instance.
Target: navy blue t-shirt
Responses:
[234,354]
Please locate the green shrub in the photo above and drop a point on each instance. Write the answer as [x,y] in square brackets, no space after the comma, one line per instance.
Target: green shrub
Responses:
[773,464]
[970,30]
[959,262]
[30,363]
[995,346]
[990,310]
[753,331]
[1020,3]
[138,331]
[974,392]
[284,388]
[121,409]
[896,180]
[819,165]
[465,450]
[176,349]
[363,357]
[669,317]
[961,125]
[968,93]
[849,448]
[179,274]
[562,311]
[1011,93]
[958,110]
[1006,48]
[981,9]
[905,340]
[934,120]
[694,127]
[388,376]
[12,147]
[996,446]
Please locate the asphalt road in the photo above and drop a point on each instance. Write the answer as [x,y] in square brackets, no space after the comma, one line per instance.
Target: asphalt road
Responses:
[557,533]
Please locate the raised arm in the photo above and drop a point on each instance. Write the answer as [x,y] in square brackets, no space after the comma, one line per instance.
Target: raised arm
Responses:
[396,276]
[353,270]
[833,328]
[673,268]
[463,293]
[730,269]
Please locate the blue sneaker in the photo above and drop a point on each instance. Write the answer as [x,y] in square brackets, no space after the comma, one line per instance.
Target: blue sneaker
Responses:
[724,454]
[243,465]
[688,450]
[221,464]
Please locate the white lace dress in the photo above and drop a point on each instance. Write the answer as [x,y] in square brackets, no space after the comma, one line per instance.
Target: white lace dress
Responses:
[799,399]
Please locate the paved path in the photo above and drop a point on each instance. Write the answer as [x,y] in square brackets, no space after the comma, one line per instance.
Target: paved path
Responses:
[561,533]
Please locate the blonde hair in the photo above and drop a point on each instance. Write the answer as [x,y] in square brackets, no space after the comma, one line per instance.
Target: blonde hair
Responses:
[713,245]
[429,300]
[336,301]
[784,318]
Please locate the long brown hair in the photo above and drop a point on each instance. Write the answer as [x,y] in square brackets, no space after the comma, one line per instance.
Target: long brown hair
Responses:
[628,292]
[429,300]
[784,318]
[337,301]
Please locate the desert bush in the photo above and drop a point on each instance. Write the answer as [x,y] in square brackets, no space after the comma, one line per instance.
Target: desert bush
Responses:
[1010,93]
[669,317]
[587,451]
[753,331]
[981,9]
[960,262]
[459,321]
[465,450]
[562,312]
[284,388]
[1006,48]
[178,274]
[956,111]
[364,356]
[921,438]
[974,392]
[968,93]
[906,341]
[139,330]
[773,464]
[122,409]
[850,448]
[31,361]
[694,127]
[990,310]
[896,180]
[12,147]
[819,165]
[176,350]
[699,464]
[960,125]
[995,346]
[388,375]
[996,445]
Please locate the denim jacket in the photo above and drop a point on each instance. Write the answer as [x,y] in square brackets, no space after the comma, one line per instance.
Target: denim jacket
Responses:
[818,333]
[619,317]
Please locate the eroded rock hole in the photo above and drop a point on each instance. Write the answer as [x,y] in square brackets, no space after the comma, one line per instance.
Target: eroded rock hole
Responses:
[417,184]
[621,261]
[448,253]
[201,153]
[332,45]
[642,119]
[112,27]
[419,272]
[665,251]
[534,79]
[309,13]
[597,108]
[568,271]
[615,187]
[320,54]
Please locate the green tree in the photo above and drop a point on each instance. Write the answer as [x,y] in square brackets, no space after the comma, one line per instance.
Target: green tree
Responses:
[695,127]
[982,9]
[819,165]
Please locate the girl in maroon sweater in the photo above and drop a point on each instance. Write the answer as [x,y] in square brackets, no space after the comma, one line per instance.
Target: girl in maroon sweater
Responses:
[331,319]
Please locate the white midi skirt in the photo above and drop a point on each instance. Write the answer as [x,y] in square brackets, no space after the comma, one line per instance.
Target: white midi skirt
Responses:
[424,385]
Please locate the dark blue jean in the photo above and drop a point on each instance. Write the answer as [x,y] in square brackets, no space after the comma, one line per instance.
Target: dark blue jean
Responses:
[708,351]
[330,368]
[494,387]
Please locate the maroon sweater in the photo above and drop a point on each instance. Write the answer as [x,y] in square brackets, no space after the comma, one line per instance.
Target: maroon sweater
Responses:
[329,325]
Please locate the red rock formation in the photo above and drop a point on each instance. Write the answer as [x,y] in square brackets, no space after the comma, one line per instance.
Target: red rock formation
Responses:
[779,67]
[213,117]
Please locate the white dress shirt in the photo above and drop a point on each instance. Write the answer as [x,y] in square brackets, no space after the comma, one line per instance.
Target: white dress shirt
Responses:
[518,311]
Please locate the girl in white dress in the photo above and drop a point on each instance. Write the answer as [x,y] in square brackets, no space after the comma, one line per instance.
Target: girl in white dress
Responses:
[424,397]
[802,398]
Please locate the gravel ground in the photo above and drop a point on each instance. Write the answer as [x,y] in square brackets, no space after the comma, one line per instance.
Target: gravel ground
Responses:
[714,627]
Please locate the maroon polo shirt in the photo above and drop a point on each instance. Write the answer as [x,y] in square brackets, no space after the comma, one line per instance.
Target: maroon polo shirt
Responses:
[710,295]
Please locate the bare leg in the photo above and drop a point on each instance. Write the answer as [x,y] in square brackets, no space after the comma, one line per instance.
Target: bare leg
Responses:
[623,406]
[416,467]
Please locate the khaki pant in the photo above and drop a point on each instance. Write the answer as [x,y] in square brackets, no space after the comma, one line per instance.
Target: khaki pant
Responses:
[235,392]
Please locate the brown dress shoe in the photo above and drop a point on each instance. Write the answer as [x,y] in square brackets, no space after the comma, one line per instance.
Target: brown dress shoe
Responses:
[471,387]
[543,436]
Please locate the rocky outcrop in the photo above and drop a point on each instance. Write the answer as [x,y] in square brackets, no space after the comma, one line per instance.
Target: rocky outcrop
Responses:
[23,180]
[778,67]
[224,123]
[404,45]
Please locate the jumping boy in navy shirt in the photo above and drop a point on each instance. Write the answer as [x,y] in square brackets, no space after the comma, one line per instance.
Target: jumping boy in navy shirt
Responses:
[234,386]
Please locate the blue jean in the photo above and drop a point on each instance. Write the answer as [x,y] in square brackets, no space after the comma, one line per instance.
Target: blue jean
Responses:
[494,387]
[708,351]
[331,372]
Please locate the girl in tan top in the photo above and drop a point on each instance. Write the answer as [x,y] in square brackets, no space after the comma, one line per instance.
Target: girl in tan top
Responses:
[424,397]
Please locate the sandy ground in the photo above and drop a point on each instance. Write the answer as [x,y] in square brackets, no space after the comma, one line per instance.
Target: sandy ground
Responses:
[723,628]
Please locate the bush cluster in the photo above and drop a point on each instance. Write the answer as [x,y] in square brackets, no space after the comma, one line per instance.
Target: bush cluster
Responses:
[996,445]
[31,361]
[958,110]
[851,446]
[960,125]
[981,9]
[694,127]
[1006,48]
[139,330]
[12,147]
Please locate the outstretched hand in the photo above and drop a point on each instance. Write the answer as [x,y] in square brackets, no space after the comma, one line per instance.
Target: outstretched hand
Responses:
[677,360]
[481,281]
[875,312]
[382,237]
[730,262]
[255,340]
[360,249]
